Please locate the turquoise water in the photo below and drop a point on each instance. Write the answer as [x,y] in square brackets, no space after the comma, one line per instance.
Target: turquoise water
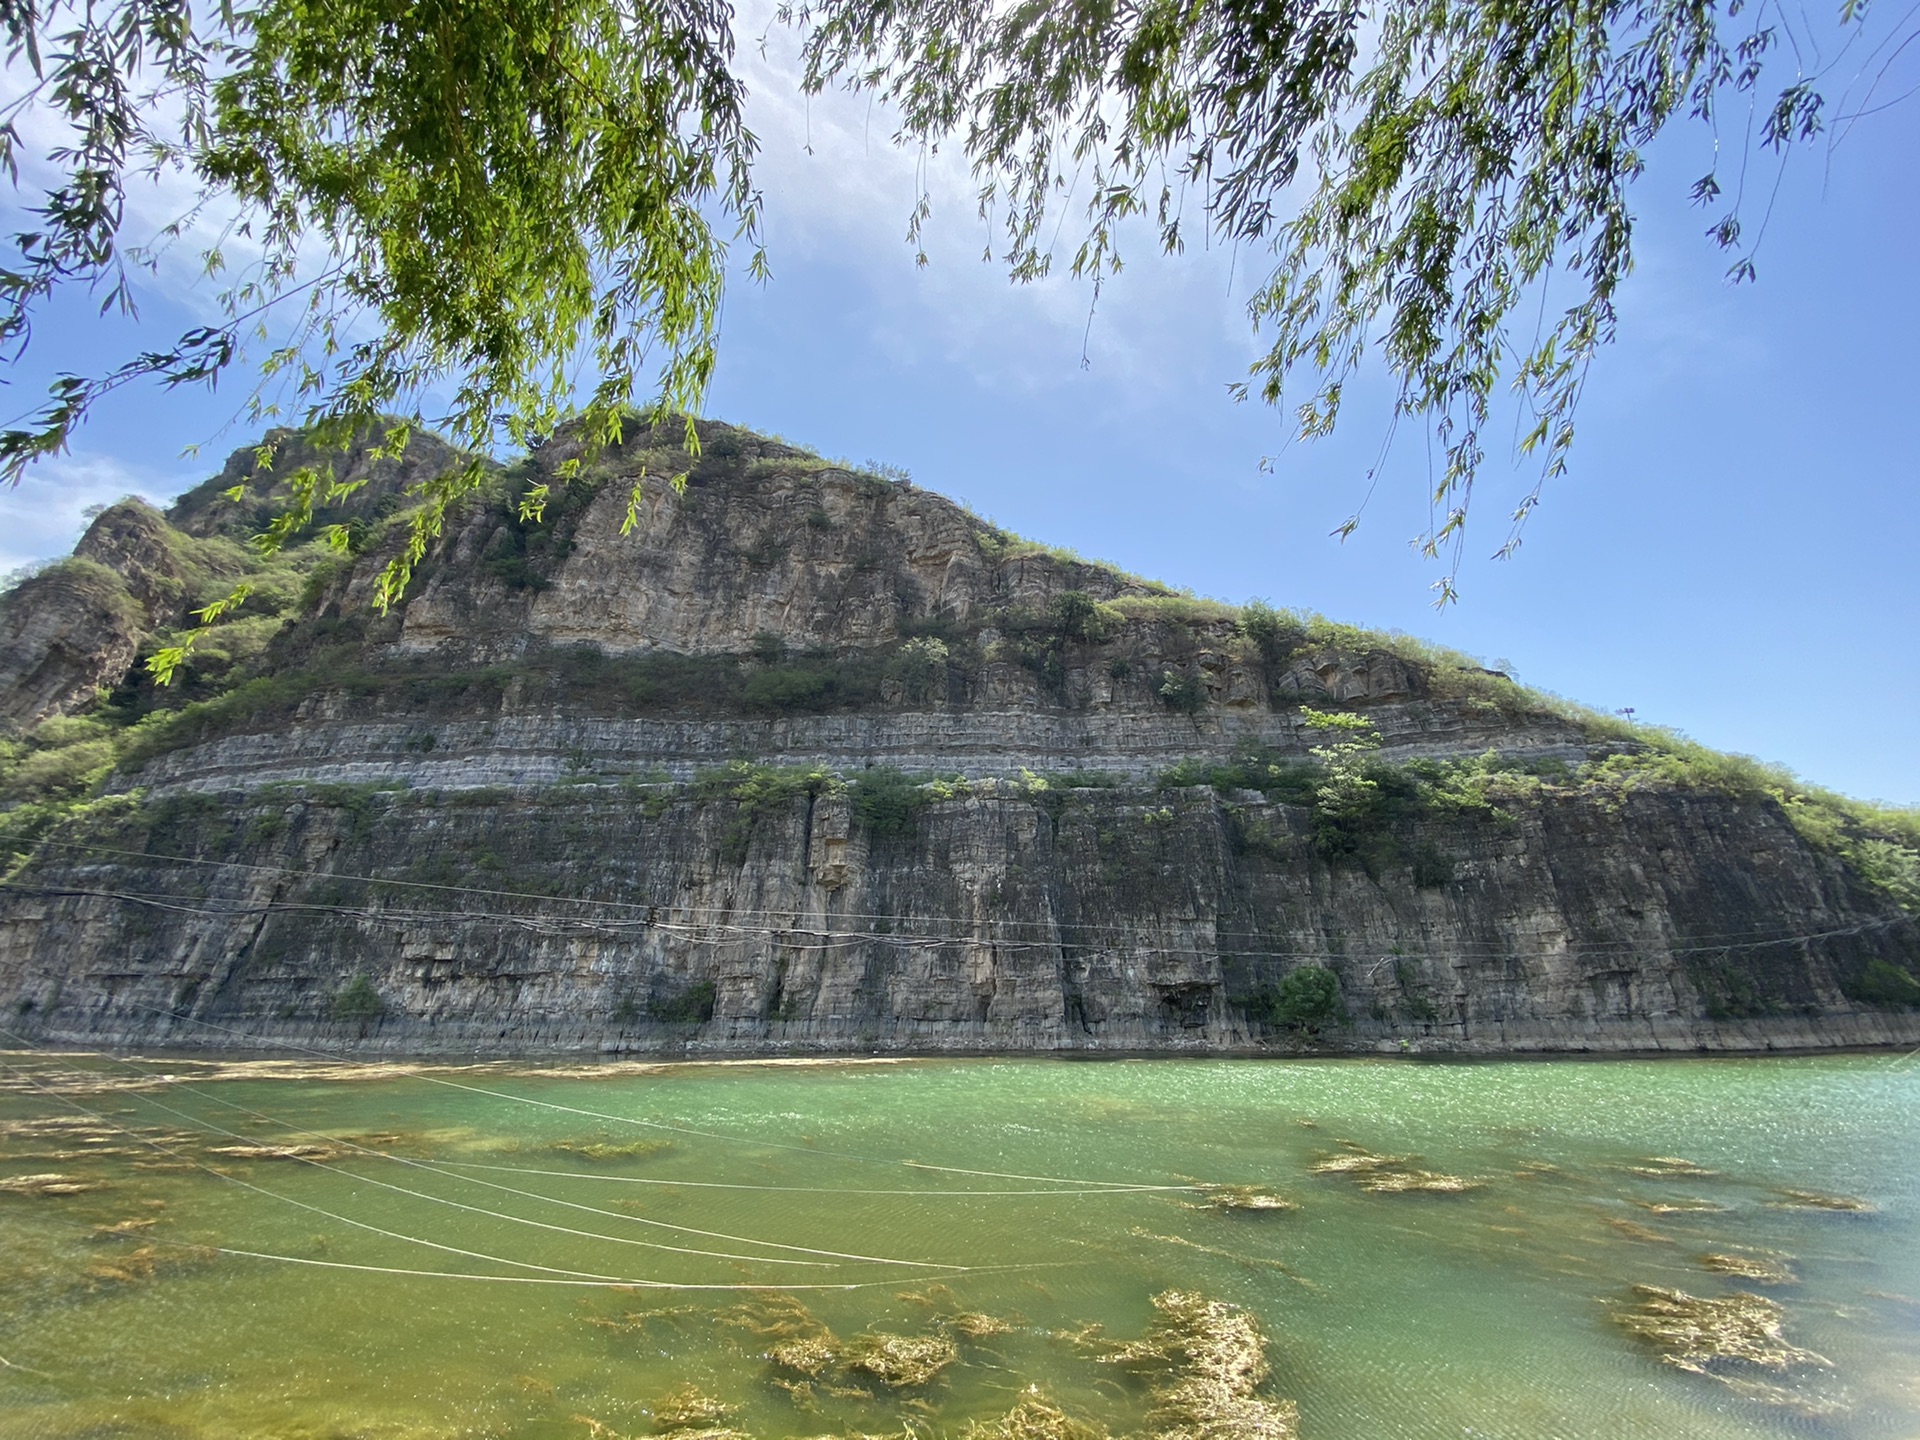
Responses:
[192,1291]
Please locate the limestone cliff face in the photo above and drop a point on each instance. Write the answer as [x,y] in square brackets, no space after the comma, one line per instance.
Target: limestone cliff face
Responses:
[763,541]
[592,917]
[379,480]
[676,790]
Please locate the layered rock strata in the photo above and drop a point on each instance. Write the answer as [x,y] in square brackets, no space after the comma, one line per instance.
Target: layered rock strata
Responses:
[502,819]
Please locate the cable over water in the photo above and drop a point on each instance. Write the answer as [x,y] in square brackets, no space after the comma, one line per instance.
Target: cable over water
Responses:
[651,1283]
[1387,1311]
[268,1043]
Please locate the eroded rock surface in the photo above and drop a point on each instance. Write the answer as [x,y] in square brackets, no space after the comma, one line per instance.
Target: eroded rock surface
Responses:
[501,818]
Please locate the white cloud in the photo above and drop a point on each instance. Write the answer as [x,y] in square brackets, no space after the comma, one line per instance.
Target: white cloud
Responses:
[152,204]
[839,189]
[46,513]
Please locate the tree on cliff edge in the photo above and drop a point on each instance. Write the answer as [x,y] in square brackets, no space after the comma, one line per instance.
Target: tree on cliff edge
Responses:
[488,196]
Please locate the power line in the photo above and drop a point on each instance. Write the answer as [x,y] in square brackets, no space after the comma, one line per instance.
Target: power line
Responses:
[804,938]
[659,914]
[497,1215]
[1092,1186]
[577,1277]
[448,1167]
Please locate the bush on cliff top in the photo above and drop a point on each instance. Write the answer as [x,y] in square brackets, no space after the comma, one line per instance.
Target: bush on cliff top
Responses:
[1364,807]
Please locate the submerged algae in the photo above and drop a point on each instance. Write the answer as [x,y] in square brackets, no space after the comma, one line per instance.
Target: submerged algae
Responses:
[145,1261]
[598,1431]
[1761,1268]
[1242,1199]
[1389,1174]
[811,1355]
[1033,1417]
[687,1407]
[120,1229]
[1683,1207]
[1211,1357]
[899,1361]
[802,1342]
[611,1149]
[316,1153]
[778,1315]
[977,1325]
[804,1345]
[39,1186]
[1696,1333]
[1402,1182]
[1671,1167]
[1357,1244]
[1355,1161]
[1792,1199]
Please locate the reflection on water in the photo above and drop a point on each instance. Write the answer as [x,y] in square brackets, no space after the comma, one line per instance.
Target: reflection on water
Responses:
[988,1249]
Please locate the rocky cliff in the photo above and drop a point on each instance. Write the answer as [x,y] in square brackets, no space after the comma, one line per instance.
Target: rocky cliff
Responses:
[77,627]
[810,759]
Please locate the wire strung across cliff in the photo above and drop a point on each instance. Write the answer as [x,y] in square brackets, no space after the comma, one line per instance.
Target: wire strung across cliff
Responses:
[804,938]
[659,915]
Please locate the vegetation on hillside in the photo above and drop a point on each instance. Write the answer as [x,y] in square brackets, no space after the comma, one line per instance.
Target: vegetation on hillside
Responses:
[290,646]
[1366,809]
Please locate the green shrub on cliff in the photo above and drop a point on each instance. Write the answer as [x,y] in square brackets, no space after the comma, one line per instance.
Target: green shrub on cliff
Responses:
[1883,983]
[1892,867]
[1286,778]
[691,1006]
[358,1001]
[920,665]
[887,802]
[787,687]
[1275,633]
[89,580]
[1181,693]
[757,792]
[1881,844]
[1305,999]
[1363,808]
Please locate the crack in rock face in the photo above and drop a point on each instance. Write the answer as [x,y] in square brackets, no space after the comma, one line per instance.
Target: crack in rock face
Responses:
[812,760]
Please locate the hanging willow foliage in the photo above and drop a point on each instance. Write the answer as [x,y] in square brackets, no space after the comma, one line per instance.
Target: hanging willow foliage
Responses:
[493,198]
[1416,169]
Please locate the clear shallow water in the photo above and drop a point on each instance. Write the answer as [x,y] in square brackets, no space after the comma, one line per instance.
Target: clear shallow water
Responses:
[1487,1313]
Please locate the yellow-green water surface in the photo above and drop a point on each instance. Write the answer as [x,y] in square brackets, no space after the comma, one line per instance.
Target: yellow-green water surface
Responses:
[239,1252]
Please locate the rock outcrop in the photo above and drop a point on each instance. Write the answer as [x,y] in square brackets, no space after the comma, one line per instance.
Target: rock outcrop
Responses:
[76,627]
[372,483]
[814,760]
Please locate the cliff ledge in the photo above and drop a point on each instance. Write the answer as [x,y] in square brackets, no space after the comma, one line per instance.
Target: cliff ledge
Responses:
[814,760]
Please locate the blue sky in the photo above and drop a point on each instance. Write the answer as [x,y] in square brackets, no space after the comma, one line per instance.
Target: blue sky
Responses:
[1731,554]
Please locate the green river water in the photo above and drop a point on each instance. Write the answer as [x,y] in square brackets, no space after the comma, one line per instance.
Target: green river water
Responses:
[165,1285]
